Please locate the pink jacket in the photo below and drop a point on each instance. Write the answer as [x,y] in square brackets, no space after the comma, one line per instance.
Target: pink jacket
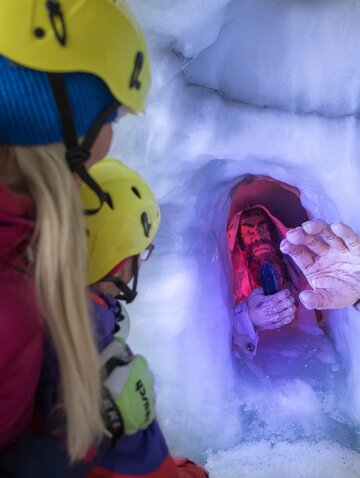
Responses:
[21,325]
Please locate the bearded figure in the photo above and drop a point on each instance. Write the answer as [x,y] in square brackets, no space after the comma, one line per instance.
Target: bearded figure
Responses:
[254,237]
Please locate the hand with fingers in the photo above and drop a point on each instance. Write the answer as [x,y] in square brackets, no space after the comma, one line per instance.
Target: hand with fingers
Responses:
[270,311]
[329,257]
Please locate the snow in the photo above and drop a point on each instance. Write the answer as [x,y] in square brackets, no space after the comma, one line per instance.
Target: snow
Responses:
[282,460]
[259,87]
[268,54]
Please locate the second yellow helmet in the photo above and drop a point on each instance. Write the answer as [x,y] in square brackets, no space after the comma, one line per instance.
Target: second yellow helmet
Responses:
[128,228]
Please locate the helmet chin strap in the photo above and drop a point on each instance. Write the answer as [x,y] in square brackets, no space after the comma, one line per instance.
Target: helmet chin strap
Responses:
[126,294]
[77,154]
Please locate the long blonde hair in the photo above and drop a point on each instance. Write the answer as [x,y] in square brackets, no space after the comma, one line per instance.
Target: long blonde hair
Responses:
[59,249]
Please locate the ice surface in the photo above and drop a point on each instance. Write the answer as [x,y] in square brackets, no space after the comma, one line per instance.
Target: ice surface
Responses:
[296,56]
[266,88]
[283,460]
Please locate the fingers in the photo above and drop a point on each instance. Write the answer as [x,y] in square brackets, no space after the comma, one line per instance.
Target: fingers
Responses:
[282,305]
[350,237]
[300,237]
[278,311]
[276,301]
[258,291]
[257,298]
[279,296]
[313,299]
[302,257]
[321,228]
[284,317]
[319,237]
[315,226]
[279,319]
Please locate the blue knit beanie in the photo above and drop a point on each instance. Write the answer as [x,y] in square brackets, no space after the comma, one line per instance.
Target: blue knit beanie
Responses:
[28,113]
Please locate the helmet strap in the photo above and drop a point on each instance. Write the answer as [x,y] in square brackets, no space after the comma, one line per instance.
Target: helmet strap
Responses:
[77,154]
[126,294]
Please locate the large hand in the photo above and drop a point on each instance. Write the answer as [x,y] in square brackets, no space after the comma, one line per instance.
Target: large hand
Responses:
[129,402]
[329,257]
[270,311]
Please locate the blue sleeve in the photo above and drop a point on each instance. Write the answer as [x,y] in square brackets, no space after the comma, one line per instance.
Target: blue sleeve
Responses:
[43,456]
[40,456]
[136,455]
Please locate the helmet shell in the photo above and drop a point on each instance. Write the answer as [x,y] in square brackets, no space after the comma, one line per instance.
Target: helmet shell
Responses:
[103,38]
[118,233]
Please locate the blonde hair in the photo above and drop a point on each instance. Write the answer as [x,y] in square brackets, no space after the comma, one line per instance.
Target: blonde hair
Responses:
[59,249]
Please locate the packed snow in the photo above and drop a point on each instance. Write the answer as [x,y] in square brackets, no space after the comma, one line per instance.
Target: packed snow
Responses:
[261,87]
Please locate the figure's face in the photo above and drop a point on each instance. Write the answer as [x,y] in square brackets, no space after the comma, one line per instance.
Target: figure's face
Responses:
[255,229]
[260,246]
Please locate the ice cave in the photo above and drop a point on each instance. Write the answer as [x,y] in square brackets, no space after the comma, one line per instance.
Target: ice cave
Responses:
[251,100]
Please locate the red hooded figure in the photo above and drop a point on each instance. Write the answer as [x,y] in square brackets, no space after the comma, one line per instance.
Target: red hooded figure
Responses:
[254,236]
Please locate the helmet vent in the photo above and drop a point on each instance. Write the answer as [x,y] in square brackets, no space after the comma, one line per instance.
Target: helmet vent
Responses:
[39,32]
[136,191]
[57,21]
[138,64]
[146,224]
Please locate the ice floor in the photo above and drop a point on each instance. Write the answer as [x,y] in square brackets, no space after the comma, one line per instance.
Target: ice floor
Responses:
[266,87]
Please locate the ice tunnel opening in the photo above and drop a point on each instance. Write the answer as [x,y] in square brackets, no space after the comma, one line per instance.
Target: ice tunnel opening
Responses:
[295,372]
[281,199]
[297,387]
[281,396]
[304,401]
[277,205]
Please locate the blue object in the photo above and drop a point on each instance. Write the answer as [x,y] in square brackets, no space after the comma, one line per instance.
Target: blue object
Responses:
[268,279]
[28,114]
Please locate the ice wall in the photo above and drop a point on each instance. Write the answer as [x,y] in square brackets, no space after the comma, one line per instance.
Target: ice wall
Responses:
[261,87]
[294,56]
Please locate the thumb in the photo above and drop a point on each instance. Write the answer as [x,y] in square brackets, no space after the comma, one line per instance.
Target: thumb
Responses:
[312,299]
[258,291]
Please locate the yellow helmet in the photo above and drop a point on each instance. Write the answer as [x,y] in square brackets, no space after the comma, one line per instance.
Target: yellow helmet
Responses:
[100,37]
[126,229]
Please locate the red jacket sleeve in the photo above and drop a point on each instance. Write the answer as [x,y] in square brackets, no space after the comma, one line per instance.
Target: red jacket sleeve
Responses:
[144,455]
[186,468]
[176,467]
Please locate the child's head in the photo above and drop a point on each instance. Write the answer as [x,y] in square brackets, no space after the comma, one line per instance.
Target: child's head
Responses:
[119,237]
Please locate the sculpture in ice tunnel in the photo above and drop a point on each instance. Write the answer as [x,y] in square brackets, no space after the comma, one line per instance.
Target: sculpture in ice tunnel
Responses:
[262,212]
